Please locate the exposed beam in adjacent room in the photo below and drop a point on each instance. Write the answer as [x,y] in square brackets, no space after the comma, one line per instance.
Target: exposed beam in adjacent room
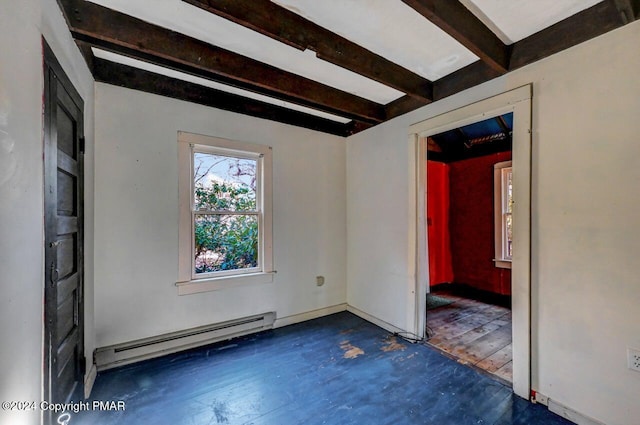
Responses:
[138,79]
[503,124]
[130,36]
[287,27]
[456,20]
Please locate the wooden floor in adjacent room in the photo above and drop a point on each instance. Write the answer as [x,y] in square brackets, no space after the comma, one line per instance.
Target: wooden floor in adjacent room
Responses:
[473,333]
[336,370]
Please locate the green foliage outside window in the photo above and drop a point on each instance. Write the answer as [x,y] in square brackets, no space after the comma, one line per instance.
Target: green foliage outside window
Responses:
[225,241]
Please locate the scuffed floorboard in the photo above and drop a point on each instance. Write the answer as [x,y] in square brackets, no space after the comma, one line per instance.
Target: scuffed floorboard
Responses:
[338,370]
[474,333]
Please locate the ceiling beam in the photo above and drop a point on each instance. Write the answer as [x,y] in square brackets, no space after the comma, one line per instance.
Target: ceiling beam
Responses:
[583,26]
[354,127]
[130,36]
[462,79]
[146,81]
[403,105]
[288,27]
[629,9]
[467,77]
[87,54]
[455,19]
[126,35]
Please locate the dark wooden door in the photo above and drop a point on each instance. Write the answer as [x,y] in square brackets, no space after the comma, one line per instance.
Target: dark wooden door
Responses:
[63,187]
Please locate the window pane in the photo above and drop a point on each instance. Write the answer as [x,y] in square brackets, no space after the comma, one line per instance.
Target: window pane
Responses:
[509,233]
[225,242]
[224,183]
[508,182]
[510,191]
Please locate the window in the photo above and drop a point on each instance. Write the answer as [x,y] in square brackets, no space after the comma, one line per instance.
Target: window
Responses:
[503,207]
[225,213]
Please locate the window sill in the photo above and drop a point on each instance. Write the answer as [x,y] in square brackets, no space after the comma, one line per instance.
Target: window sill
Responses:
[503,264]
[223,282]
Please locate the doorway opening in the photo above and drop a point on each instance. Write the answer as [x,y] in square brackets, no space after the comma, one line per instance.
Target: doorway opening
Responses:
[469,241]
[518,103]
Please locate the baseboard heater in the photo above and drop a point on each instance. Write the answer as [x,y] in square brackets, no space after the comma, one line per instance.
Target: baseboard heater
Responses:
[147,348]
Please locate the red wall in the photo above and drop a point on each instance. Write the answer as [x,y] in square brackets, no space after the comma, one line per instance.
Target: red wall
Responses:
[440,270]
[470,224]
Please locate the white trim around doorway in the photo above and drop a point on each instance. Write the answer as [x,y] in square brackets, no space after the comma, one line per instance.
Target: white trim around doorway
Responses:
[517,101]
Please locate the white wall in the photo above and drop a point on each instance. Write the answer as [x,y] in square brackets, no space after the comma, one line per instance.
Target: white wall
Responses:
[585,226]
[21,193]
[136,217]
[586,234]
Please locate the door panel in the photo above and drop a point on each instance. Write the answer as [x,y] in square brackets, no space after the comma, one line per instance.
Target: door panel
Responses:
[66,193]
[65,126]
[66,287]
[66,318]
[64,279]
[66,255]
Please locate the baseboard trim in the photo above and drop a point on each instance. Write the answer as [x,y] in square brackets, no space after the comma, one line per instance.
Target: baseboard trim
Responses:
[309,315]
[89,380]
[279,322]
[159,345]
[378,322]
[572,415]
[564,411]
[468,291]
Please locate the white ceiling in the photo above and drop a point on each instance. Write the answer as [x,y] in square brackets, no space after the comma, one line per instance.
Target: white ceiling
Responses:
[195,22]
[390,29]
[387,27]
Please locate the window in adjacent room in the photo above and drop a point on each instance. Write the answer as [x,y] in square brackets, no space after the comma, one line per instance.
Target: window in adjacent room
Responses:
[226,197]
[503,207]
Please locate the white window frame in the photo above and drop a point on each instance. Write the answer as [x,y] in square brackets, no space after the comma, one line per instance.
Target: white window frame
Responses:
[500,207]
[188,281]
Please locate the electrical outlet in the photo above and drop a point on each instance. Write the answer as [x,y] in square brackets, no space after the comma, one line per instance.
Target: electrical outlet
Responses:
[319,280]
[633,359]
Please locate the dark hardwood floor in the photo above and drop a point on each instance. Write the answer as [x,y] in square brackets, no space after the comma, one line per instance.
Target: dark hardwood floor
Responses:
[473,333]
[338,369]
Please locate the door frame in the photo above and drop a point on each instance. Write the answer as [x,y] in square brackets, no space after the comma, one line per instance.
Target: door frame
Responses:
[517,101]
[52,73]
